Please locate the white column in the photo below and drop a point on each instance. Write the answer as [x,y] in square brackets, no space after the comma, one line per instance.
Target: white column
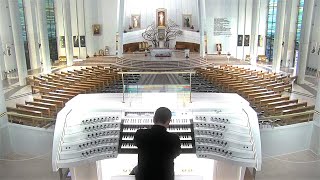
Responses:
[202,25]
[315,141]
[2,65]
[44,40]
[255,21]
[32,30]
[120,27]
[68,31]
[278,36]
[18,41]
[290,29]
[306,28]
[7,37]
[3,119]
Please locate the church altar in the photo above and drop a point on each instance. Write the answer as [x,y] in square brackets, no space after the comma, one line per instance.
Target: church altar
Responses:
[161,52]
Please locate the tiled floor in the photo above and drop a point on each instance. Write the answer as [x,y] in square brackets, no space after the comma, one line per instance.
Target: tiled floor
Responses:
[292,166]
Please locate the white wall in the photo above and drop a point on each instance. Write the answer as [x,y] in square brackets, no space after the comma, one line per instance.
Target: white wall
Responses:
[286,139]
[5,144]
[30,141]
[147,10]
[238,12]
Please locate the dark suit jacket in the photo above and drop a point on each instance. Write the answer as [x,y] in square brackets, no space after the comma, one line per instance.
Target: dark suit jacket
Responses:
[157,149]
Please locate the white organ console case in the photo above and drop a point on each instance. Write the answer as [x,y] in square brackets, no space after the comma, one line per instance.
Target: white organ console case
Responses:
[219,135]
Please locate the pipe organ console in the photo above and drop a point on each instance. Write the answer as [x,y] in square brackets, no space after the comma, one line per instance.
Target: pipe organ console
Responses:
[93,128]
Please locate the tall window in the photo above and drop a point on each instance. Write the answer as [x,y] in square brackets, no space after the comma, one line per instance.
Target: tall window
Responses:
[24,32]
[51,24]
[299,23]
[271,27]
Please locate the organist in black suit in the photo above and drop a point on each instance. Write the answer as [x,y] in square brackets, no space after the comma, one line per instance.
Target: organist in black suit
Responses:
[157,149]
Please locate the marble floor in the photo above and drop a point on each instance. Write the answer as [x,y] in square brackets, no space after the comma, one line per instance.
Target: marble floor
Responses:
[303,165]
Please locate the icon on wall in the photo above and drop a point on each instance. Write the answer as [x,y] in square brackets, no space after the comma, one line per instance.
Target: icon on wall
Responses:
[62,42]
[135,20]
[75,41]
[218,47]
[260,41]
[161,17]
[240,40]
[82,41]
[187,20]
[96,28]
[246,40]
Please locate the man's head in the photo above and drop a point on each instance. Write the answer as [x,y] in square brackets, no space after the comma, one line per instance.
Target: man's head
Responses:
[162,117]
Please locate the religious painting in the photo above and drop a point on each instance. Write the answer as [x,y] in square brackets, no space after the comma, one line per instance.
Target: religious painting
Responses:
[240,40]
[135,20]
[161,17]
[96,28]
[218,47]
[75,41]
[187,20]
[62,42]
[82,41]
[246,40]
[260,40]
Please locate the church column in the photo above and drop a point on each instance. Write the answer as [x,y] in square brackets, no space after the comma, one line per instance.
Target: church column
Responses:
[18,41]
[68,31]
[120,27]
[32,31]
[315,140]
[202,25]
[304,43]
[3,118]
[44,40]
[7,37]
[2,65]
[290,29]
[255,20]
[278,36]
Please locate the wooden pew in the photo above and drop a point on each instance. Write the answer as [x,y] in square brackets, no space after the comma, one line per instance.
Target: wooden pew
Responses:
[63,95]
[271,106]
[45,111]
[257,99]
[53,107]
[24,120]
[63,99]
[60,104]
[298,118]
[279,109]
[265,102]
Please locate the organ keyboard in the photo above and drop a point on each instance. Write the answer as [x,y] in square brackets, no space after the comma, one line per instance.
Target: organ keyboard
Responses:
[212,130]
[183,127]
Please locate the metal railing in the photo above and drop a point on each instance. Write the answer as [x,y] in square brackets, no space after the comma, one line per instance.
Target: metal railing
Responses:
[163,72]
[168,64]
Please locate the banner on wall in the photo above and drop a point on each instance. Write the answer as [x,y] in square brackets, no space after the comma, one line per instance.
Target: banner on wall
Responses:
[222,27]
[260,41]
[246,40]
[240,40]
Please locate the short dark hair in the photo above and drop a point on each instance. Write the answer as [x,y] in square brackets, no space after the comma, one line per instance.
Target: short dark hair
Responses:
[162,115]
